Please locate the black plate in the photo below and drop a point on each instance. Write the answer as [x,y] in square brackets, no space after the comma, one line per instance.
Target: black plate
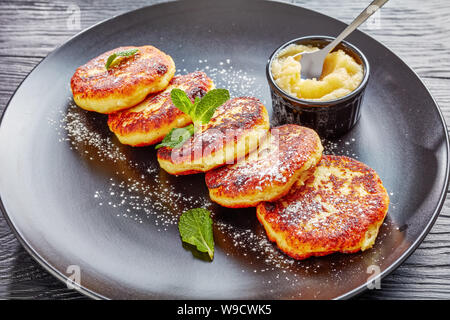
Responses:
[75,196]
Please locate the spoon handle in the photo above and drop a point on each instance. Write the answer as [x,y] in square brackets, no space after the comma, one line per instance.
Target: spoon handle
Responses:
[363,16]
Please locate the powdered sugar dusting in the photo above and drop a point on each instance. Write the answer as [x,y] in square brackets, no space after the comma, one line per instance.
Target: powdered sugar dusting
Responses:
[340,147]
[239,82]
[135,189]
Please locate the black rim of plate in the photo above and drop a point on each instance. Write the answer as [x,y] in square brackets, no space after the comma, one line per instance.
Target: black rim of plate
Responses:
[51,269]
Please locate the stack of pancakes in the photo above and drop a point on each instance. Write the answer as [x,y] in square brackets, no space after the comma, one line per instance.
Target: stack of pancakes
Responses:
[309,204]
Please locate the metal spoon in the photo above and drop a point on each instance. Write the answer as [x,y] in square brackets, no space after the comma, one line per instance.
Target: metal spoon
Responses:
[312,62]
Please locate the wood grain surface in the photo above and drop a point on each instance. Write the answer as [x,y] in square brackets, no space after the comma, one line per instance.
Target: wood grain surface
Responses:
[417,31]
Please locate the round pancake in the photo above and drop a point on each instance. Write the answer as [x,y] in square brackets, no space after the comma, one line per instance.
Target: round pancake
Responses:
[235,129]
[287,156]
[151,120]
[339,209]
[128,81]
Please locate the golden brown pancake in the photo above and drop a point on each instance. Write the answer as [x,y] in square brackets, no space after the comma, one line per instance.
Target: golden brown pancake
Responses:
[284,158]
[128,81]
[339,209]
[148,122]
[234,130]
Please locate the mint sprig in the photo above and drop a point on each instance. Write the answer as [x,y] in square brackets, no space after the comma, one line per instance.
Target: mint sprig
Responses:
[176,137]
[195,228]
[181,100]
[205,108]
[125,53]
[201,111]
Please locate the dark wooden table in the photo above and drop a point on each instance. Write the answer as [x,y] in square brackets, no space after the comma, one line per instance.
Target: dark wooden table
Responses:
[418,31]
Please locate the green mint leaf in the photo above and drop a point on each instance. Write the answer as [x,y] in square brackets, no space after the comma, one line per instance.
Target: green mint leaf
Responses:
[125,53]
[197,100]
[181,101]
[176,137]
[195,228]
[206,107]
